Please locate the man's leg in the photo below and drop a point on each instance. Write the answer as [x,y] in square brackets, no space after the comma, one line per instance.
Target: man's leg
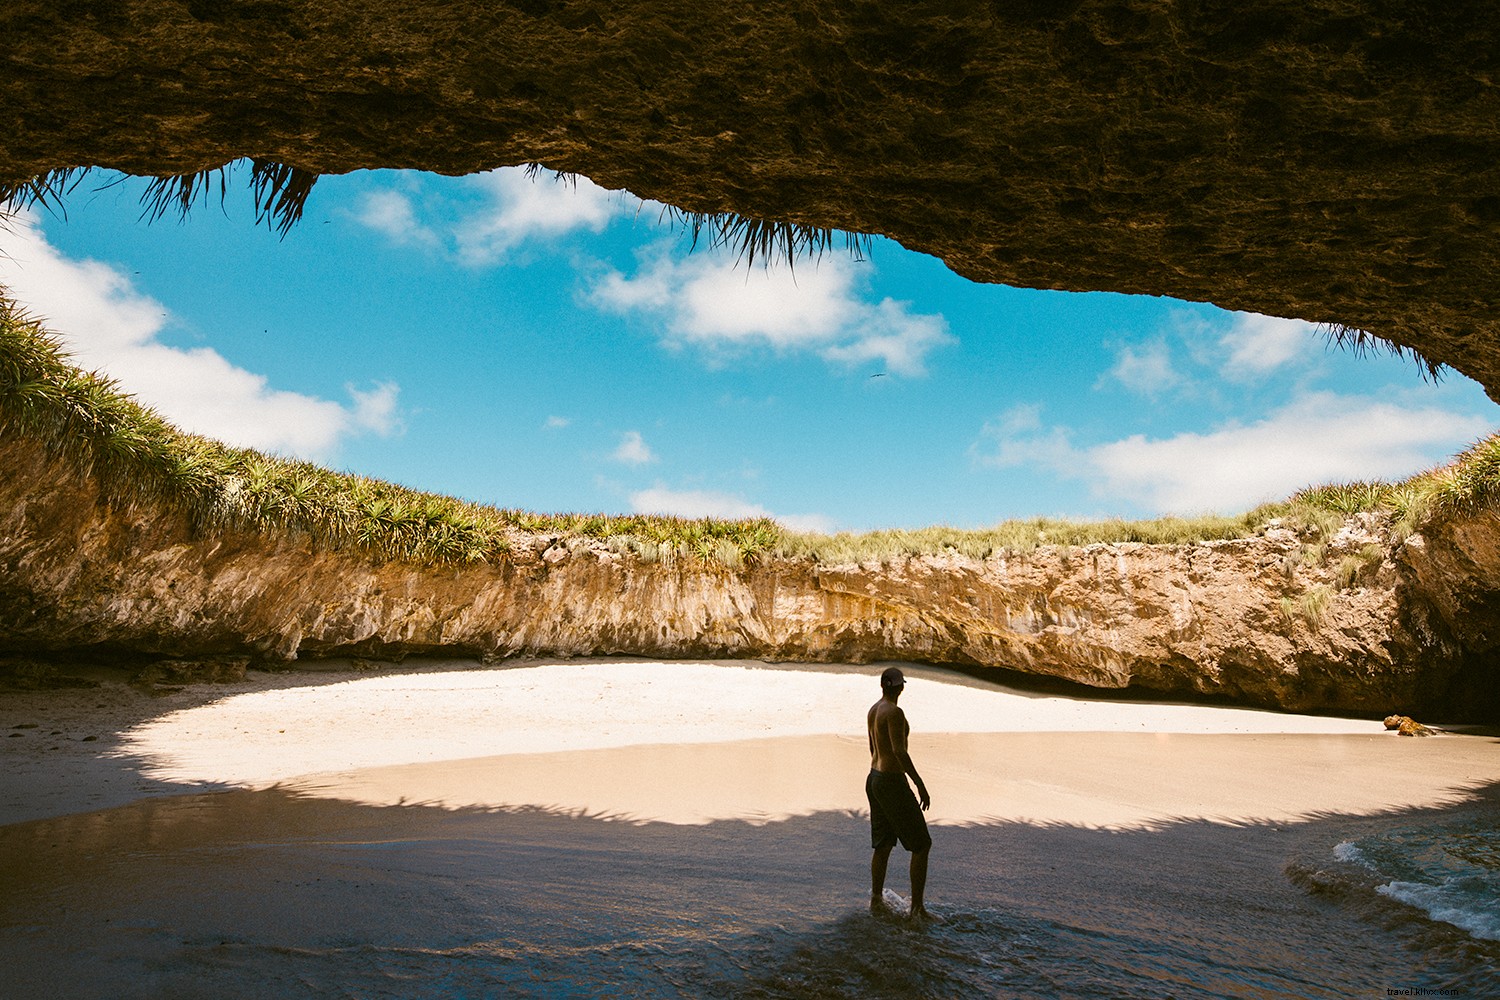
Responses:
[919,881]
[877,878]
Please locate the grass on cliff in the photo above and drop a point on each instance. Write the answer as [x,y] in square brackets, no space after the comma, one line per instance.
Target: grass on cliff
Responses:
[135,455]
[1469,484]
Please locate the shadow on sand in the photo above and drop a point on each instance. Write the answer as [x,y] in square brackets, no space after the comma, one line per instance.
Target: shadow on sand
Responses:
[269,894]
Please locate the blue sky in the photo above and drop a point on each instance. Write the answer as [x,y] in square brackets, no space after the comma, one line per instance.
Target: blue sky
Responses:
[553,346]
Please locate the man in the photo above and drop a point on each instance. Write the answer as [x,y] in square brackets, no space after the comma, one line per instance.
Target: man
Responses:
[894,813]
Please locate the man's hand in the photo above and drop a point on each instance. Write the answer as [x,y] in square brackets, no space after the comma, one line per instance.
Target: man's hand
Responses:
[923,797]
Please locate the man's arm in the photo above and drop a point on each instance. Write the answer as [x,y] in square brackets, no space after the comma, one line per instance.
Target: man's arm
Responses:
[899,728]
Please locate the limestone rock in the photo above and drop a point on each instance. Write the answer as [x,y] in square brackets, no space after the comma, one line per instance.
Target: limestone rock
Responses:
[79,576]
[1405,725]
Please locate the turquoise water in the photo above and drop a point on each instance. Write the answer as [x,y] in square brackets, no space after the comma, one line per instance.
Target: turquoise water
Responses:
[264,894]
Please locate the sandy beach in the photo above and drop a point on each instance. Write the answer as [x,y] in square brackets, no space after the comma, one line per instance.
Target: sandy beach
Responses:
[754,769]
[739,740]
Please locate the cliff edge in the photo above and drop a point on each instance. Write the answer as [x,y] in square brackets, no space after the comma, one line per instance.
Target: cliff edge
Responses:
[1369,623]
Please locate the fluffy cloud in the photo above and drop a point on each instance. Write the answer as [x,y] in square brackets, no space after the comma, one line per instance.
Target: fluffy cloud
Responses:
[1146,369]
[1320,437]
[1017,438]
[111,327]
[707,503]
[1257,345]
[1192,349]
[391,213]
[511,208]
[710,301]
[633,450]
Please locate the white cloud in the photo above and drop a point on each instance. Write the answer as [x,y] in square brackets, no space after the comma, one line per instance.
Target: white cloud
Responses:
[1191,349]
[1017,438]
[511,209]
[707,503]
[391,213]
[1147,369]
[633,450]
[893,336]
[109,326]
[1258,345]
[555,423]
[1321,437]
[711,301]
[519,207]
[375,409]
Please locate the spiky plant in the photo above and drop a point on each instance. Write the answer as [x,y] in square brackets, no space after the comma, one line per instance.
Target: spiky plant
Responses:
[280,191]
[1347,498]
[1361,342]
[769,239]
[47,190]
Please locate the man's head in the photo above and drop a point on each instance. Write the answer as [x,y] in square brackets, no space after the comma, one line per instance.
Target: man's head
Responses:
[892,681]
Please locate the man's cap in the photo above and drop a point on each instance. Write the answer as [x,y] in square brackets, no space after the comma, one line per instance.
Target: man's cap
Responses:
[892,677]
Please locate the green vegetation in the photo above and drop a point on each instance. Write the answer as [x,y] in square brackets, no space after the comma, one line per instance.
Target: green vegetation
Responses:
[1310,606]
[1467,485]
[1471,483]
[85,418]
[136,455]
[1018,536]
[1347,572]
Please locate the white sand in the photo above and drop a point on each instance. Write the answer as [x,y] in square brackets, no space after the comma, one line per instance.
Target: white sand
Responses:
[271,736]
[695,742]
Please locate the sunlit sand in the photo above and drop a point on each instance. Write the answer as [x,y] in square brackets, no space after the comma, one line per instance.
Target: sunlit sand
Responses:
[690,743]
[571,826]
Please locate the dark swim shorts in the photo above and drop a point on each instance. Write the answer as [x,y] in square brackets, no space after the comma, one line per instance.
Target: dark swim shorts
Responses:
[894,813]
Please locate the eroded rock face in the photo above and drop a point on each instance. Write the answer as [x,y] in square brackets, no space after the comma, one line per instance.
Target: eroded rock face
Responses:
[1248,619]
[1329,160]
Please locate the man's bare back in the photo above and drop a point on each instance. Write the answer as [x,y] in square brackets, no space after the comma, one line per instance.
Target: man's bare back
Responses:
[888,730]
[895,813]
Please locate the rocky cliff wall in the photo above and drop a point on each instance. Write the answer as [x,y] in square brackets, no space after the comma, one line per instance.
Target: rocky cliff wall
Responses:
[1252,619]
[1334,160]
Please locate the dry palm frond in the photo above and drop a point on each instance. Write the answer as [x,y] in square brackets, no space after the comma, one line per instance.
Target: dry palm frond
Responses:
[47,190]
[1361,343]
[768,239]
[747,237]
[281,193]
[177,193]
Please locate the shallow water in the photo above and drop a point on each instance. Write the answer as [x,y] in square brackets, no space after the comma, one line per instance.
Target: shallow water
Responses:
[269,894]
[1450,871]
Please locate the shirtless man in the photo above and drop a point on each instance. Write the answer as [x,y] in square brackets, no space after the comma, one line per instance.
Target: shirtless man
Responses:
[894,813]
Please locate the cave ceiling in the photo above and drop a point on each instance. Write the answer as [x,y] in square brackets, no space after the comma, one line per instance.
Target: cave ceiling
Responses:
[1332,160]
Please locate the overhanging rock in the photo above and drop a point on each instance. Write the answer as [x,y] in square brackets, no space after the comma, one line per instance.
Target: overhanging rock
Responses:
[1333,160]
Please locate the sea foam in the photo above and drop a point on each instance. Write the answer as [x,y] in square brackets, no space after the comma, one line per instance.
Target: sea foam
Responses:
[1469,905]
[1451,872]
[1348,851]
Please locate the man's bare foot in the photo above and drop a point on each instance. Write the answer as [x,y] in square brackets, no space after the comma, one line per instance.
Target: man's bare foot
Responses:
[921,917]
[881,910]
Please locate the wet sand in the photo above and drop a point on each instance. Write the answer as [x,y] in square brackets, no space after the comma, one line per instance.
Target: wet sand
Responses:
[637,829]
